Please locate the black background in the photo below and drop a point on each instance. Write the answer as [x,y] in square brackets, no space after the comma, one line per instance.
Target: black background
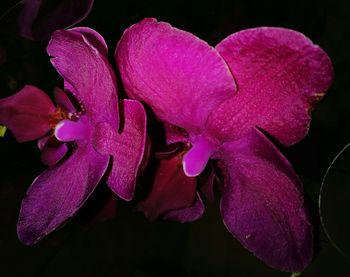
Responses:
[129,245]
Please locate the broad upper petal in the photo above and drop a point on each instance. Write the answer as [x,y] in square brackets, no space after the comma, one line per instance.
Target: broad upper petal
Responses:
[86,72]
[127,147]
[262,203]
[27,113]
[58,193]
[180,76]
[280,74]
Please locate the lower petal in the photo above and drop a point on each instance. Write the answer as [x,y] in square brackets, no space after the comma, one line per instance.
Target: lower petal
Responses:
[187,214]
[262,203]
[58,193]
[171,190]
[52,155]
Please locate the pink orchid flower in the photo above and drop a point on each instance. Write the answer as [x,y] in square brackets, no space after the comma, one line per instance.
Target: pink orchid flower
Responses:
[80,141]
[220,102]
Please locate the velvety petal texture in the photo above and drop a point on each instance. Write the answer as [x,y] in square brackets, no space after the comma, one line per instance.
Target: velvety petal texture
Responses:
[171,190]
[127,147]
[59,192]
[27,113]
[38,19]
[280,74]
[262,203]
[86,72]
[180,76]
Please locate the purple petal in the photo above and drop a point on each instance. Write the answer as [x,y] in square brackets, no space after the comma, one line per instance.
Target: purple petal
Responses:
[187,214]
[94,38]
[171,190]
[58,193]
[281,75]
[262,203]
[87,74]
[63,101]
[43,141]
[175,134]
[51,155]
[180,76]
[27,113]
[38,19]
[126,147]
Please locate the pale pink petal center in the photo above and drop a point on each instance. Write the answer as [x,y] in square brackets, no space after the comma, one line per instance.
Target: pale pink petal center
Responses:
[197,157]
[67,130]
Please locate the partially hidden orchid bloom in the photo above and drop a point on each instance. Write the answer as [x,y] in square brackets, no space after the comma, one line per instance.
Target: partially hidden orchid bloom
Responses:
[79,139]
[220,102]
[38,19]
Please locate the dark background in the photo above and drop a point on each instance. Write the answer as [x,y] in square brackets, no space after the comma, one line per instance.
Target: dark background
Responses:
[128,245]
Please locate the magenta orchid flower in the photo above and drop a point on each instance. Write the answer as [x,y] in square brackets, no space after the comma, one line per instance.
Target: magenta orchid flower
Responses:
[220,102]
[80,141]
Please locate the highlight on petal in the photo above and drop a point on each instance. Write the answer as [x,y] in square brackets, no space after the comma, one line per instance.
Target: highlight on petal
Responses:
[262,203]
[280,74]
[126,147]
[86,72]
[94,38]
[27,113]
[171,190]
[58,193]
[187,214]
[180,76]
[38,19]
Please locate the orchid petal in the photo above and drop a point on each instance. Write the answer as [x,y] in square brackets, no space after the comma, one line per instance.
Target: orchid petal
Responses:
[63,101]
[172,190]
[126,147]
[94,38]
[88,74]
[188,214]
[281,75]
[180,76]
[52,155]
[58,193]
[42,142]
[27,113]
[39,18]
[175,134]
[262,203]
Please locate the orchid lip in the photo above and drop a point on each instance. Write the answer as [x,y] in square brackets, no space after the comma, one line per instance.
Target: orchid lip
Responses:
[195,160]
[67,130]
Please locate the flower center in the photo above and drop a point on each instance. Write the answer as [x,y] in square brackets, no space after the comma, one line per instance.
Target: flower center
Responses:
[67,130]
[195,160]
